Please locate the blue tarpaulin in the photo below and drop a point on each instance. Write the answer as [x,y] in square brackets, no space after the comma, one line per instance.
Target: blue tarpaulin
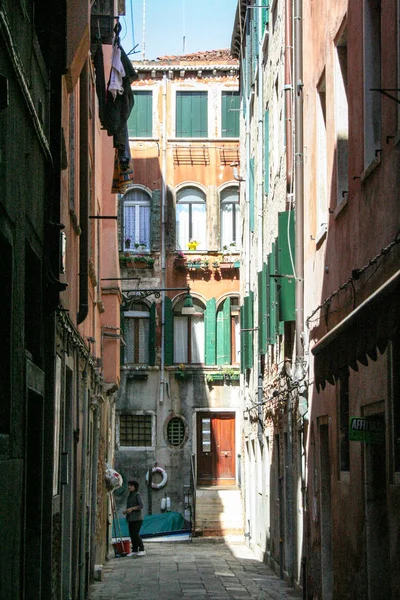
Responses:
[153,525]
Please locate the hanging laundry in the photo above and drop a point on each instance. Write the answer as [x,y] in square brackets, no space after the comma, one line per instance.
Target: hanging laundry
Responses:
[98,63]
[115,84]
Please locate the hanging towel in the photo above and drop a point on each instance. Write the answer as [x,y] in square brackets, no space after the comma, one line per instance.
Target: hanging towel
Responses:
[115,85]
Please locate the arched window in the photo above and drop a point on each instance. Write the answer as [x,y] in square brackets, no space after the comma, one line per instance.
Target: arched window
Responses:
[191,218]
[136,230]
[189,334]
[230,231]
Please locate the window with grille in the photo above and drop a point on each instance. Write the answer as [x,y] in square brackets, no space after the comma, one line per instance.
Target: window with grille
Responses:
[176,431]
[135,430]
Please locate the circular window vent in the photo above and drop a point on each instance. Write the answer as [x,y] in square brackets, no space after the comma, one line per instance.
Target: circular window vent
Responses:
[176,431]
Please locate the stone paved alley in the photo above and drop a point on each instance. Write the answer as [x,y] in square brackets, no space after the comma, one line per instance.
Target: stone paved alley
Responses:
[190,570]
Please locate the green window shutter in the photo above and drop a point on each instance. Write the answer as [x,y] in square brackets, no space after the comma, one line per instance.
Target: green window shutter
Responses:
[254,40]
[155,220]
[248,337]
[168,333]
[265,16]
[251,194]
[273,297]
[286,247]
[224,334]
[230,106]
[140,122]
[152,335]
[250,321]
[122,347]
[266,152]
[262,310]
[242,338]
[191,114]
[210,331]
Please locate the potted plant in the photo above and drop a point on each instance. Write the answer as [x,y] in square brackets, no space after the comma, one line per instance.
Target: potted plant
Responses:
[205,264]
[142,261]
[192,244]
[180,260]
[195,264]
[128,243]
[215,264]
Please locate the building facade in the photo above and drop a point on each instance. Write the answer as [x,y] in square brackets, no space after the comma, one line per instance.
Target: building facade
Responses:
[351,123]
[59,366]
[319,87]
[179,403]
[273,364]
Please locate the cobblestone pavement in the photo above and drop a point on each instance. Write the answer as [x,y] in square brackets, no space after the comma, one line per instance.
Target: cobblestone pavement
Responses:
[190,570]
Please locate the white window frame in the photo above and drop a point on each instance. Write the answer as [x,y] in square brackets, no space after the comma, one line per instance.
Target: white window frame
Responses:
[136,197]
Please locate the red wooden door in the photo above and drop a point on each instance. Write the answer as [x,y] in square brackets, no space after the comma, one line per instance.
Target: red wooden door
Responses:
[216,449]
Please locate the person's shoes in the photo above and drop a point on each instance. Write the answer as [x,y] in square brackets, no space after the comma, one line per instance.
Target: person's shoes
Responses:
[133,554]
[141,553]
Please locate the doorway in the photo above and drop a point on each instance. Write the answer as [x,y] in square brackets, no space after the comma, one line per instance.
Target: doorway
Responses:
[216,463]
[376,518]
[326,514]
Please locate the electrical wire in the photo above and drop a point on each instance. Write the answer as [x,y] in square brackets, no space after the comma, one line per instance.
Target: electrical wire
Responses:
[356,274]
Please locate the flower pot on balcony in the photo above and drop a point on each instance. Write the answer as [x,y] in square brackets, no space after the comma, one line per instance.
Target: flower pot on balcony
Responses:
[180,263]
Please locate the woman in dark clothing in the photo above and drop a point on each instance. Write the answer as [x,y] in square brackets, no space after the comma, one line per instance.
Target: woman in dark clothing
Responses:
[134,517]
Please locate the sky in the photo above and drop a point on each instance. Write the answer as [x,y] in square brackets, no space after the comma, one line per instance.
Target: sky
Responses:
[174,27]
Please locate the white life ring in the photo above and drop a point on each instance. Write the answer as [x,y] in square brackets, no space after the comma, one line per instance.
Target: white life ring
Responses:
[164,480]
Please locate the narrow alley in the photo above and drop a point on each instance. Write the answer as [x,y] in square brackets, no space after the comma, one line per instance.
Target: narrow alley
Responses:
[197,569]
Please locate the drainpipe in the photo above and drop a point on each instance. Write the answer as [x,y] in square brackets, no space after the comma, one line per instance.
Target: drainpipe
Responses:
[83,195]
[299,190]
[290,540]
[93,509]
[288,96]
[163,203]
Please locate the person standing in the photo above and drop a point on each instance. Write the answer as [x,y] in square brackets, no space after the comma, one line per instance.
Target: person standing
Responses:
[134,518]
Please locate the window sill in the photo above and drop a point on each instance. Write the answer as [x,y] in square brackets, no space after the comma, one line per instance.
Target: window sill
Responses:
[190,140]
[340,207]
[371,167]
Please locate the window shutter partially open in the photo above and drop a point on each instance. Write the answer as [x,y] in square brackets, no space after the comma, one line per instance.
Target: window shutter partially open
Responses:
[224,334]
[210,331]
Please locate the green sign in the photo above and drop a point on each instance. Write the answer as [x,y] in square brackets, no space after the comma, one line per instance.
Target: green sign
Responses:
[369,430]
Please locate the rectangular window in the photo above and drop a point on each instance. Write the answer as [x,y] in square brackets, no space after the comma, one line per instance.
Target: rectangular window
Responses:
[140,122]
[135,430]
[191,114]
[372,79]
[321,162]
[341,118]
[136,334]
[137,226]
[230,107]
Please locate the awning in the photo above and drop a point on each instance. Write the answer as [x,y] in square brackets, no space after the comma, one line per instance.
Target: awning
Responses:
[360,335]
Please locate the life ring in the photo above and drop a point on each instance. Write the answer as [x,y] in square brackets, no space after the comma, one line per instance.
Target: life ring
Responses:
[158,486]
